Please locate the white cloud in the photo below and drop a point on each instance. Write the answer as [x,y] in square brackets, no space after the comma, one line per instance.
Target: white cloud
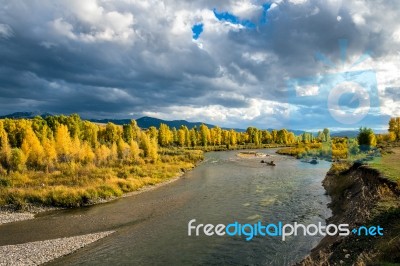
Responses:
[258,111]
[245,9]
[310,90]
[298,2]
[358,19]
[63,28]
[97,23]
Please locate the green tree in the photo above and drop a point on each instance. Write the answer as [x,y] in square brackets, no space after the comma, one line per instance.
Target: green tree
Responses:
[127,133]
[327,134]
[74,125]
[394,127]
[112,133]
[366,138]
[90,133]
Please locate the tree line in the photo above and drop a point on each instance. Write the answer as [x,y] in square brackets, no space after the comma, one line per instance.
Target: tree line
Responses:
[43,143]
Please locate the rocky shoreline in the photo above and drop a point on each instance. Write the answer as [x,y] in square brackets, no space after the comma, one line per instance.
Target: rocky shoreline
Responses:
[39,252]
[10,213]
[360,196]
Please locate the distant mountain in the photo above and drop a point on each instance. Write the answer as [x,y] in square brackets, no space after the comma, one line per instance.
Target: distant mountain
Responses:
[345,133]
[354,133]
[26,115]
[146,122]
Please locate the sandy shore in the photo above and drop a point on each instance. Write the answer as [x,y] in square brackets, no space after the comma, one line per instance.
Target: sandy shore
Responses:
[39,252]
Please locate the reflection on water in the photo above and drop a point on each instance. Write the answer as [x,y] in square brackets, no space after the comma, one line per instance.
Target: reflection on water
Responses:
[223,189]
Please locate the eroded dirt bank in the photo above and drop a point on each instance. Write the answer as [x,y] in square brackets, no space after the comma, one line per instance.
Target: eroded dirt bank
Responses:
[360,196]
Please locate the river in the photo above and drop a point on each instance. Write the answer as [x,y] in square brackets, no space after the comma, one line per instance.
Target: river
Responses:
[152,227]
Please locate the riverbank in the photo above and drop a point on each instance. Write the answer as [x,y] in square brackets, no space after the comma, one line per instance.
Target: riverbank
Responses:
[11,213]
[39,252]
[361,195]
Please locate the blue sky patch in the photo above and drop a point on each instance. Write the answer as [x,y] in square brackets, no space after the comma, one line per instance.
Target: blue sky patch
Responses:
[226,16]
[197,30]
[265,7]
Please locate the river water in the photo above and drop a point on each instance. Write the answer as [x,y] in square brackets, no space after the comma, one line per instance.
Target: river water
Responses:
[152,227]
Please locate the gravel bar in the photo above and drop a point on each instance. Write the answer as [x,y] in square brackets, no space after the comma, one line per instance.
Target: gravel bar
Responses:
[35,253]
[9,217]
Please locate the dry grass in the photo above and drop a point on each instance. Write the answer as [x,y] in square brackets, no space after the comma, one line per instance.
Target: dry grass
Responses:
[77,185]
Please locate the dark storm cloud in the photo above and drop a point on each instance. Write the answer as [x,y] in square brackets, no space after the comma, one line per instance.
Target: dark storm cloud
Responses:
[102,58]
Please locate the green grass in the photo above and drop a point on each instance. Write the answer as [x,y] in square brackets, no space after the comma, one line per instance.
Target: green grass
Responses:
[389,164]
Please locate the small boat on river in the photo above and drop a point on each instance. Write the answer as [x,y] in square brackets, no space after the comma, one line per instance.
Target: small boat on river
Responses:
[271,163]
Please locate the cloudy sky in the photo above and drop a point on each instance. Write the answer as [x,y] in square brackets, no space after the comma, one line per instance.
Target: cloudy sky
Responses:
[300,64]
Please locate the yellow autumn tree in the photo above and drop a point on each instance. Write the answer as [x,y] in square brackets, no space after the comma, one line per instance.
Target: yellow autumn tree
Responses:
[5,149]
[145,144]
[76,149]
[86,154]
[123,149]
[164,135]
[32,149]
[153,152]
[63,143]
[134,151]
[17,160]
[102,153]
[113,152]
[181,137]
[50,153]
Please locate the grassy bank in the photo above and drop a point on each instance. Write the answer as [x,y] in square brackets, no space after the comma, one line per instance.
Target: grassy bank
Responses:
[338,149]
[389,163]
[76,185]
